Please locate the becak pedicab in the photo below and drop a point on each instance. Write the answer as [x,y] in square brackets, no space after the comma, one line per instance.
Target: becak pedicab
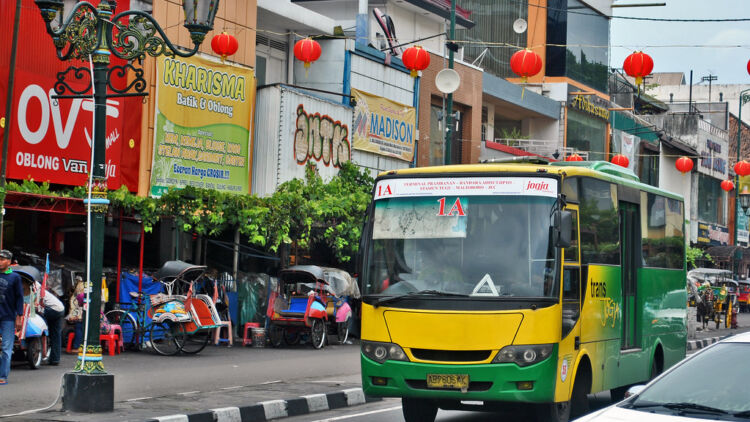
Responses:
[297,306]
[344,292]
[181,323]
[31,344]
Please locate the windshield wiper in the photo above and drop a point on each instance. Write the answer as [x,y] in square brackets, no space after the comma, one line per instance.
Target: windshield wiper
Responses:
[428,292]
[745,414]
[678,406]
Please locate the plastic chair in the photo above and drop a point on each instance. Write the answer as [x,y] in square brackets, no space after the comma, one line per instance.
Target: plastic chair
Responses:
[111,340]
[71,337]
[218,338]
[247,336]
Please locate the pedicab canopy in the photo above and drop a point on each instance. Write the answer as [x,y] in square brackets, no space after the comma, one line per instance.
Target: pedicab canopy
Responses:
[179,270]
[28,273]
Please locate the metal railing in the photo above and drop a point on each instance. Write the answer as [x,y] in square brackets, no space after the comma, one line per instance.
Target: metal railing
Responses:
[542,147]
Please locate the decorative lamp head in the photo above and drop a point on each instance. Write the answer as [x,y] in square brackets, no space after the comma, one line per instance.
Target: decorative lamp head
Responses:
[50,9]
[199,17]
[745,199]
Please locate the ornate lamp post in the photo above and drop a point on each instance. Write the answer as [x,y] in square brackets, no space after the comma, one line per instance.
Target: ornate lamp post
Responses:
[92,33]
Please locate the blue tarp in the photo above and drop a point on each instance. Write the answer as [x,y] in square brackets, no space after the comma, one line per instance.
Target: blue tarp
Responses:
[129,283]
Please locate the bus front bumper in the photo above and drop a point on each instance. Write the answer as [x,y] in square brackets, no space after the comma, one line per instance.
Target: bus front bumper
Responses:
[487,382]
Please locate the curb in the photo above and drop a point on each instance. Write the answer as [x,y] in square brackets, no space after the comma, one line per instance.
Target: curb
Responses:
[699,344]
[275,409]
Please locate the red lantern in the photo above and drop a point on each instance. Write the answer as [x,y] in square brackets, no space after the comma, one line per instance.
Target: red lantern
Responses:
[415,59]
[224,45]
[684,164]
[574,157]
[748,66]
[525,63]
[621,160]
[742,168]
[727,185]
[638,65]
[307,51]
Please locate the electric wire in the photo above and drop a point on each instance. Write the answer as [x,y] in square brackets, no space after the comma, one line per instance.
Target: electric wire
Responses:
[41,409]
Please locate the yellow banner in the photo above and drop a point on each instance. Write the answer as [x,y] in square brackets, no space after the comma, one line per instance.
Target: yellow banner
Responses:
[203,123]
[383,126]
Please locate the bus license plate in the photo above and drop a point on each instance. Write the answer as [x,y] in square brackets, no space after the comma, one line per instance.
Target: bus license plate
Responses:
[460,381]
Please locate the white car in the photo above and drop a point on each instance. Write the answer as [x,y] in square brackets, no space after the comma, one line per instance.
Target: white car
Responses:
[710,385]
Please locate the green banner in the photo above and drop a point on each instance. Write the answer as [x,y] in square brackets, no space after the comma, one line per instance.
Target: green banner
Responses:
[202,126]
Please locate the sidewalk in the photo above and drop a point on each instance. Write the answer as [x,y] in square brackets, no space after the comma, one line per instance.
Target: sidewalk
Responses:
[259,402]
[710,335]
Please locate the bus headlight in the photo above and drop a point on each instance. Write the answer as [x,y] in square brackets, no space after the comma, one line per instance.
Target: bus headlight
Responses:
[523,355]
[381,352]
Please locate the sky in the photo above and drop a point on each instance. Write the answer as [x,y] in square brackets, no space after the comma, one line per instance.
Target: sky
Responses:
[716,48]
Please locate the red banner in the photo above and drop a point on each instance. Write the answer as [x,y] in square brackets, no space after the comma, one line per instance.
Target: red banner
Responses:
[50,140]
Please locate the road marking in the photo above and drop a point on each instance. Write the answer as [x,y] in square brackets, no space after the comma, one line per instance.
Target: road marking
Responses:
[338,418]
[327,381]
[139,398]
[270,382]
[188,392]
[232,388]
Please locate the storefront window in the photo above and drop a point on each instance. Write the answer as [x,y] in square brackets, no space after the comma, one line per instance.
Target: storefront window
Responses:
[582,30]
[437,138]
[711,200]
[587,134]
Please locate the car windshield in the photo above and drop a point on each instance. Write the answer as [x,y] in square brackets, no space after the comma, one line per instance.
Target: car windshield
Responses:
[708,379]
[478,246]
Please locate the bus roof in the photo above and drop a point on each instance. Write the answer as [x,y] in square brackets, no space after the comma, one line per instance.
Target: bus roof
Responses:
[598,169]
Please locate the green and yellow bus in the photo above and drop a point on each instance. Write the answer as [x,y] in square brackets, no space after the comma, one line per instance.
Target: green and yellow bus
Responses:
[519,284]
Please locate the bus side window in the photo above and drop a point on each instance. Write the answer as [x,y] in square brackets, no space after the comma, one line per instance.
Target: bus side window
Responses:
[571,298]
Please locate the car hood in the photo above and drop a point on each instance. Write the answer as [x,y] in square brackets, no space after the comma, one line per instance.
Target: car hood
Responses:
[619,414]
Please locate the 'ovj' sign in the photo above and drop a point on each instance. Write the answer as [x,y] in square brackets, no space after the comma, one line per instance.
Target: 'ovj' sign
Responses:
[202,127]
[383,126]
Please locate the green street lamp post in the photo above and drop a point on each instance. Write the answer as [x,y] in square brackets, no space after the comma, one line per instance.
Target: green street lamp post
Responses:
[452,47]
[738,198]
[92,33]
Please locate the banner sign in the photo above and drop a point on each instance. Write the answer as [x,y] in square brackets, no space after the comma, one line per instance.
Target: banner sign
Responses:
[204,112]
[466,186]
[383,126]
[712,234]
[50,139]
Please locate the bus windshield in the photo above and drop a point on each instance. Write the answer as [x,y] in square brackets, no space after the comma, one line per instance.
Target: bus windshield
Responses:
[475,246]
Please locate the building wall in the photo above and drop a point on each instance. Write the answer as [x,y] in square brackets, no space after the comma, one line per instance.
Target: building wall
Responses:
[410,26]
[681,93]
[236,17]
[468,98]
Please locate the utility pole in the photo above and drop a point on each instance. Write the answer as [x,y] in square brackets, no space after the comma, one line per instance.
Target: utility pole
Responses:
[452,47]
[709,78]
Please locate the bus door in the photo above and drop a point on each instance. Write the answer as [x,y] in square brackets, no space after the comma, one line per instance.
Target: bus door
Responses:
[630,256]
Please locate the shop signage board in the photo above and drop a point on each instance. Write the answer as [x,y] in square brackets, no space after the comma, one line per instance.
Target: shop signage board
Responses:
[295,128]
[383,126]
[590,104]
[50,139]
[203,118]
[714,156]
[712,234]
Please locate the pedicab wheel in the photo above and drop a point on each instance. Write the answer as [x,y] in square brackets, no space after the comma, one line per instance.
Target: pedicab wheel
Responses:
[128,326]
[276,336]
[34,352]
[318,333]
[165,337]
[195,342]
[342,331]
[418,410]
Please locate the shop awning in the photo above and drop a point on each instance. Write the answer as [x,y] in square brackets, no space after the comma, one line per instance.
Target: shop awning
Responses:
[44,203]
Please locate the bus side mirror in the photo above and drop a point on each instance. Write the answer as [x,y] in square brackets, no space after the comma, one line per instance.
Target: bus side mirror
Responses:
[563,228]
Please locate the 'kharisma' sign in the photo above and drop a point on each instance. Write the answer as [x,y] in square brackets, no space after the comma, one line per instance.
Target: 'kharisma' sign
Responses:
[204,111]
[383,126]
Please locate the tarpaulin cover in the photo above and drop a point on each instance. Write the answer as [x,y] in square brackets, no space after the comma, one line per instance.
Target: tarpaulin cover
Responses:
[129,283]
[250,299]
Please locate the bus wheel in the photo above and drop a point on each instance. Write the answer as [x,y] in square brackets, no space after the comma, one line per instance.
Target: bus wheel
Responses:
[418,410]
[553,412]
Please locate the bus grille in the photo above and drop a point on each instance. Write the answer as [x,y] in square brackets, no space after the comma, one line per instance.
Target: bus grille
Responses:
[473,385]
[451,355]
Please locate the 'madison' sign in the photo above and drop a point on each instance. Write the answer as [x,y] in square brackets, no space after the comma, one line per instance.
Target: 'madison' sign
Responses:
[383,126]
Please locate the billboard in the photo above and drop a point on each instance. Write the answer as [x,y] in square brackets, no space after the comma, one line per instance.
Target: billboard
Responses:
[383,126]
[204,112]
[50,139]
